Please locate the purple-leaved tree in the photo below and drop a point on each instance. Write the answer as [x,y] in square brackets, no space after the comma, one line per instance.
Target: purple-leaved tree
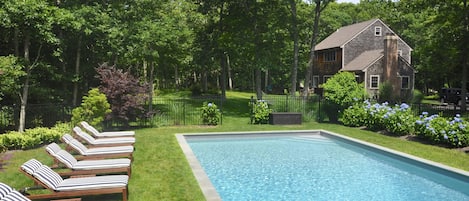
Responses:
[124,92]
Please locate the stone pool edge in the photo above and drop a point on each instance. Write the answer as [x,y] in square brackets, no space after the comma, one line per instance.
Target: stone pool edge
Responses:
[211,194]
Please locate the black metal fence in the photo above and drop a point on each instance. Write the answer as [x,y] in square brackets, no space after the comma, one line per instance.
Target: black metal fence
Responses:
[164,112]
[187,111]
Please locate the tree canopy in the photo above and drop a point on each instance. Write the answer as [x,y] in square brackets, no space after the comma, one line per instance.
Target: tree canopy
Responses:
[215,44]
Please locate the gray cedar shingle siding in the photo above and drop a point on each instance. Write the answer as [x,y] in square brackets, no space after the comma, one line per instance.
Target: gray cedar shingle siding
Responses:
[359,50]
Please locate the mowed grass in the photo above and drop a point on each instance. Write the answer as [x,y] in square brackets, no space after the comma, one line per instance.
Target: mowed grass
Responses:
[161,172]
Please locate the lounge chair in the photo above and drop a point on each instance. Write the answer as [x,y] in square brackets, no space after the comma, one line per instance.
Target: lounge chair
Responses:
[102,142]
[72,187]
[98,152]
[85,167]
[98,134]
[9,194]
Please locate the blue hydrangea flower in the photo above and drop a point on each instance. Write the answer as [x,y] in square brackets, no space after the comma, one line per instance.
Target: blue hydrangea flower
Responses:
[209,104]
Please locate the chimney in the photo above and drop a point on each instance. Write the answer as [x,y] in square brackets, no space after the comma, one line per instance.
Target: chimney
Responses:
[391,68]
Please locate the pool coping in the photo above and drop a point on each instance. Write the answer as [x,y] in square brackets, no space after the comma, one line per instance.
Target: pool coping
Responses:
[211,194]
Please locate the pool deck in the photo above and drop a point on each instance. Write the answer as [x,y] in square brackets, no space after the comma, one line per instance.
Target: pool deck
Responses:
[211,194]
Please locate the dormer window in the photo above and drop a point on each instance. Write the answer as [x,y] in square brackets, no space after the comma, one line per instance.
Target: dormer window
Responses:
[378,31]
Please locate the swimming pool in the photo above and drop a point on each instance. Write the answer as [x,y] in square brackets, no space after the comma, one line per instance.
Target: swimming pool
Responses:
[314,165]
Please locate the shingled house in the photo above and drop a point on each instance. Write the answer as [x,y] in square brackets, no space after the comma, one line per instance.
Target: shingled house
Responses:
[372,51]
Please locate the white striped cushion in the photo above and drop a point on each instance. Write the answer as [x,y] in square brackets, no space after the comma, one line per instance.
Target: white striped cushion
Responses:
[83,135]
[15,196]
[31,166]
[4,190]
[99,182]
[67,138]
[53,148]
[102,164]
[78,146]
[110,150]
[48,177]
[89,128]
[115,140]
[66,158]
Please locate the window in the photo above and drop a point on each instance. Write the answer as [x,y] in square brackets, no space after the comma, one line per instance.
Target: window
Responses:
[315,80]
[405,80]
[329,56]
[399,52]
[377,31]
[357,78]
[325,78]
[374,81]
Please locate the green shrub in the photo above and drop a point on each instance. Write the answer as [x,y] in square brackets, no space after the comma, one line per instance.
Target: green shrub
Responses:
[93,109]
[340,92]
[354,116]
[399,120]
[385,93]
[210,114]
[417,96]
[260,112]
[32,138]
[440,130]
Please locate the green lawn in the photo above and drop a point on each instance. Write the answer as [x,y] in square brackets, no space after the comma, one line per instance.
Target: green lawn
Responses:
[160,170]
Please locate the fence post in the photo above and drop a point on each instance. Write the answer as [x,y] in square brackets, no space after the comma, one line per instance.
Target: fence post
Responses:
[251,111]
[221,110]
[286,103]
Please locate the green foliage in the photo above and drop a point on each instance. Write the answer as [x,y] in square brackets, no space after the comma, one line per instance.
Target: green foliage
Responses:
[385,92]
[32,138]
[343,90]
[93,109]
[210,114]
[340,92]
[260,112]
[417,96]
[10,73]
[439,130]
[397,120]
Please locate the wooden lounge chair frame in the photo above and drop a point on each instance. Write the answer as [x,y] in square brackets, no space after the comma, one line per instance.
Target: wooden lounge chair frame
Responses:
[81,139]
[112,134]
[69,148]
[76,193]
[74,172]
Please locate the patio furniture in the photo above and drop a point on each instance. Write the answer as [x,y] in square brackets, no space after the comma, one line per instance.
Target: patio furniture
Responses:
[102,142]
[7,193]
[85,167]
[98,134]
[72,187]
[97,152]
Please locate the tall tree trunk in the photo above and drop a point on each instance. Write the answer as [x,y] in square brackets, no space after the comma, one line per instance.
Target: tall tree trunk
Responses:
[77,72]
[24,94]
[294,68]
[464,55]
[223,76]
[309,69]
[151,87]
[258,72]
[230,79]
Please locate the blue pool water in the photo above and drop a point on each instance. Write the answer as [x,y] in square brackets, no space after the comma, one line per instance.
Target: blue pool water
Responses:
[316,167]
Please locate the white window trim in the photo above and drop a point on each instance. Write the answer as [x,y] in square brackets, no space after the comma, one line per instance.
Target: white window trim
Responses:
[317,80]
[371,82]
[378,31]
[408,82]
[399,52]
[324,78]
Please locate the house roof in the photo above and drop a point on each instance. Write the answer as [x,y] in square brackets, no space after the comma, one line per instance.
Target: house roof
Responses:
[364,60]
[343,35]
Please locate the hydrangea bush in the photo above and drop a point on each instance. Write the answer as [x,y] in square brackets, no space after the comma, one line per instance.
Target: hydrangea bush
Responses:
[260,112]
[210,114]
[397,120]
[439,130]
